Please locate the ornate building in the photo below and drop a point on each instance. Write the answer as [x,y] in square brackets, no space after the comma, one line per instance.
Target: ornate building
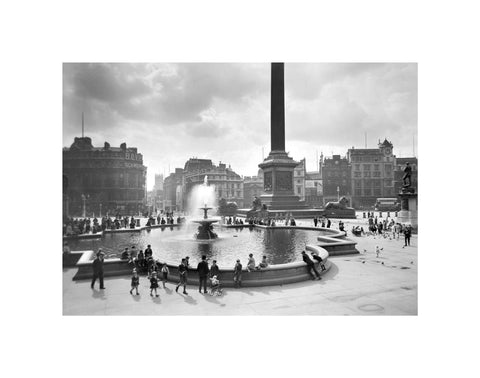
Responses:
[171,194]
[336,178]
[372,174]
[252,187]
[299,175]
[98,180]
[228,184]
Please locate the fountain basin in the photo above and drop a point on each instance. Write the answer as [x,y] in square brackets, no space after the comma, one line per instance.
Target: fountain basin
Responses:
[278,274]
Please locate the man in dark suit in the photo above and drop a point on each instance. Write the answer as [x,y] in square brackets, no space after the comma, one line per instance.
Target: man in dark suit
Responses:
[97,266]
[202,269]
[311,266]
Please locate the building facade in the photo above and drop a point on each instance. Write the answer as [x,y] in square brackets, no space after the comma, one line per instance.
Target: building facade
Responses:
[101,180]
[337,180]
[299,175]
[158,193]
[170,190]
[372,174]
[252,187]
[314,190]
[227,183]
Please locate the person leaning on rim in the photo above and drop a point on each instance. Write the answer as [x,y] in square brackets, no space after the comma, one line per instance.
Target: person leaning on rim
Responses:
[202,269]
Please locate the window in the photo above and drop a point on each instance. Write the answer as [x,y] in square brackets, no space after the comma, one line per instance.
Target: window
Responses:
[366,167]
[366,174]
[376,174]
[357,174]
[357,167]
[388,182]
[377,192]
[376,167]
[299,190]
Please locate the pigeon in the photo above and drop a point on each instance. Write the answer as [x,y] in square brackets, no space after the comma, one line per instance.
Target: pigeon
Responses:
[383,263]
[363,262]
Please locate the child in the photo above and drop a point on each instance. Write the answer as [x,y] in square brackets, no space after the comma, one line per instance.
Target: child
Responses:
[319,259]
[153,284]
[165,272]
[135,282]
[237,274]
[377,250]
[215,288]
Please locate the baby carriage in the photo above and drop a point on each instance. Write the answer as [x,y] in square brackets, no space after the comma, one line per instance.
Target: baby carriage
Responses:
[215,289]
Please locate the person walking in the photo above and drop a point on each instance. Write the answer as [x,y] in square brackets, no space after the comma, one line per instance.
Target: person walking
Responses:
[237,274]
[311,266]
[329,223]
[97,266]
[165,272]
[153,284]
[202,269]
[407,233]
[315,221]
[182,272]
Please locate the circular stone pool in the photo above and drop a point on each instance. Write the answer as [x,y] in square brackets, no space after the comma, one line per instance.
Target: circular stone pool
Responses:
[171,244]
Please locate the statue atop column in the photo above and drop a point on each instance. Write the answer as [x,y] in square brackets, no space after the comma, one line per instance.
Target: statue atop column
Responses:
[407,179]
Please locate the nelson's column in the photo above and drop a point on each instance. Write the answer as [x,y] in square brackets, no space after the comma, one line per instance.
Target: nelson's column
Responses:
[278,167]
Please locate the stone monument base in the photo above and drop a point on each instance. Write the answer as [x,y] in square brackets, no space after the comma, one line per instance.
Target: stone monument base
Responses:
[409,211]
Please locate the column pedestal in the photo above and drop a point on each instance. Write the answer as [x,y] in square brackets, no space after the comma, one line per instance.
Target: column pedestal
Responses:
[409,211]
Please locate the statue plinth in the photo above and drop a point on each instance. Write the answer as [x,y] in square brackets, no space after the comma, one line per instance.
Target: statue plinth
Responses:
[278,175]
[409,207]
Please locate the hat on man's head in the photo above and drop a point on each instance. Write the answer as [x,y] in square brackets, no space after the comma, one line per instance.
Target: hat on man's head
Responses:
[204,257]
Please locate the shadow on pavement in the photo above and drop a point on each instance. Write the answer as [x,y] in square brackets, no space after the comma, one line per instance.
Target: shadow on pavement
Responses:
[98,294]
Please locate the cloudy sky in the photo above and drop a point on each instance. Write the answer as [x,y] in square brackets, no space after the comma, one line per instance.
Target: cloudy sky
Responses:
[172,112]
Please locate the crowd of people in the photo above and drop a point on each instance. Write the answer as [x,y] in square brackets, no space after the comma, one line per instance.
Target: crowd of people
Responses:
[271,222]
[82,226]
[209,275]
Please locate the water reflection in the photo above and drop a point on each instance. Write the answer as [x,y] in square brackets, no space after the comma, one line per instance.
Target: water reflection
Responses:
[171,244]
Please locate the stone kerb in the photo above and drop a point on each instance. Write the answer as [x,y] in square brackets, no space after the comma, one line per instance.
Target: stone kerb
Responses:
[336,246]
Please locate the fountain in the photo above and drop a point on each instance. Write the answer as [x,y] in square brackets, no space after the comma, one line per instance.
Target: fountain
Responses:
[200,196]
[205,230]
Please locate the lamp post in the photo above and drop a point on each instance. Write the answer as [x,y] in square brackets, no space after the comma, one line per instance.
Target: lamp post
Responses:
[100,210]
[338,193]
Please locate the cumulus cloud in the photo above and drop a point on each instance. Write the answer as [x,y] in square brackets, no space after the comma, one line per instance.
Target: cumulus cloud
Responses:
[171,112]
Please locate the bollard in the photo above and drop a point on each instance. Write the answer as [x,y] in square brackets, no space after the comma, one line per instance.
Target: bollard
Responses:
[364,215]
[137,222]
[380,214]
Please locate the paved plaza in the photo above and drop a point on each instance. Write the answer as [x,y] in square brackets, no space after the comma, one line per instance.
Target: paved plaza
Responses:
[359,284]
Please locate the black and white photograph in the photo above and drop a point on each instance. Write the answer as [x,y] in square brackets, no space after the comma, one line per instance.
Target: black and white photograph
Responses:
[238,188]
[246,189]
